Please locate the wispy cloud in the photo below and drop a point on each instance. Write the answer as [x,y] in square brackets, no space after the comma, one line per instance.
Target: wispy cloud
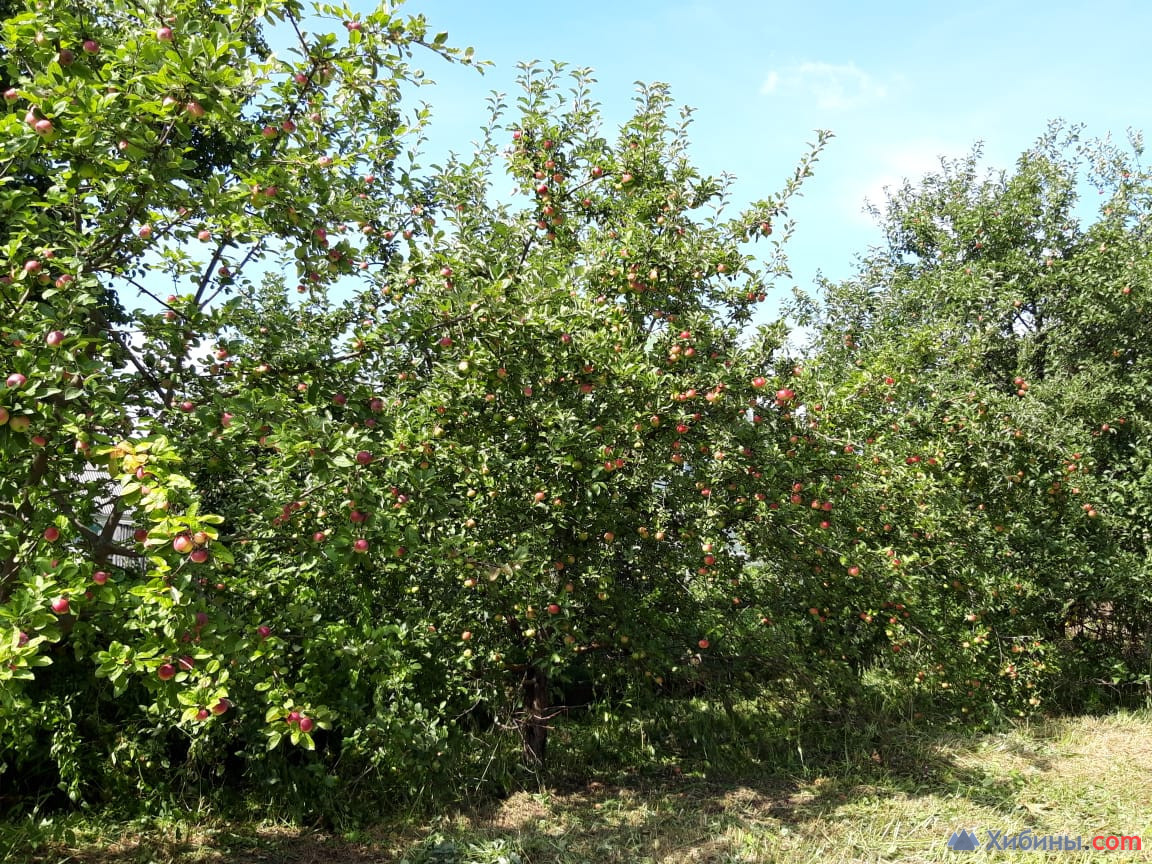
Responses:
[908,160]
[834,86]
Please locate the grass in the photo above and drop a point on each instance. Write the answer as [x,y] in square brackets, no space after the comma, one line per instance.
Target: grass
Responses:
[897,803]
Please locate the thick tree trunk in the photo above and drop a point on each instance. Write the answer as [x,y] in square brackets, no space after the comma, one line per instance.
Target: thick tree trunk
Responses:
[536,705]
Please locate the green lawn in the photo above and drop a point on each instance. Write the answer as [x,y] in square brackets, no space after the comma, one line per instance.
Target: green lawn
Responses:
[898,803]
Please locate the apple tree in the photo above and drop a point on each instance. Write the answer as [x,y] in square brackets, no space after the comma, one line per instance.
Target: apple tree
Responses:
[156,164]
[541,431]
[989,363]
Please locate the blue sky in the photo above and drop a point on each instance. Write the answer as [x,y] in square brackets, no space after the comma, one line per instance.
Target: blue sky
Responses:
[899,83]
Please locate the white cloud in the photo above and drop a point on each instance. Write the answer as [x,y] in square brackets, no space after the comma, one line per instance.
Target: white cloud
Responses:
[910,161]
[835,87]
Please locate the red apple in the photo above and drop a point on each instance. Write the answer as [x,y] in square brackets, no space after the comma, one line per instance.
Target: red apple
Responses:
[100,577]
[364,457]
[195,110]
[60,606]
[54,339]
[703,643]
[140,535]
[553,609]
[4,415]
[166,672]
[306,723]
[11,94]
[759,382]
[66,57]
[198,556]
[187,407]
[187,663]
[51,533]
[22,639]
[183,544]
[164,34]
[204,235]
[202,714]
[91,46]
[221,707]
[43,127]
[264,631]
[360,545]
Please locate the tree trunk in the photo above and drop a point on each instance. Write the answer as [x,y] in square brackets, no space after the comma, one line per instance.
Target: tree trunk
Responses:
[536,705]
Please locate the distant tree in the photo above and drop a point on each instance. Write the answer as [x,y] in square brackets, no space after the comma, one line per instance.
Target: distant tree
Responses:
[991,359]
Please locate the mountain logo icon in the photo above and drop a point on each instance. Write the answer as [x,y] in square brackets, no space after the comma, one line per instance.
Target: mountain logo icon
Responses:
[963,841]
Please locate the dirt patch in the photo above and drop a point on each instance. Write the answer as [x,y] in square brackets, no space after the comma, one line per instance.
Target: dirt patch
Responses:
[522,810]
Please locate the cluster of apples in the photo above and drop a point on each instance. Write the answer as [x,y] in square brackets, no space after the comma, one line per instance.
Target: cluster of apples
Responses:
[192,545]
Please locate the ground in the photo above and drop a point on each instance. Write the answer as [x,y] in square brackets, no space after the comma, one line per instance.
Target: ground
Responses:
[898,803]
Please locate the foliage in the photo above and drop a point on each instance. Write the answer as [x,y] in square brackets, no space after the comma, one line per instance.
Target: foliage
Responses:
[144,149]
[335,471]
[990,364]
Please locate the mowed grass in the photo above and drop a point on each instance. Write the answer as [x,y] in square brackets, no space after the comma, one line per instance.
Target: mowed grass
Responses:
[897,803]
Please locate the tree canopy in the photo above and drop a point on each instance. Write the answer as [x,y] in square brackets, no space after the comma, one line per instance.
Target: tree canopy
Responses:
[321,467]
